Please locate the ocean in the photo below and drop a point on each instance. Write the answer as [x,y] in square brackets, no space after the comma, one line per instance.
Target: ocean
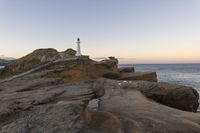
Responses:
[183,74]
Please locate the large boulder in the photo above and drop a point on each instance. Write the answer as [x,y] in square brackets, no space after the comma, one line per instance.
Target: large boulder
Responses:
[148,76]
[127,69]
[176,96]
[109,63]
[138,114]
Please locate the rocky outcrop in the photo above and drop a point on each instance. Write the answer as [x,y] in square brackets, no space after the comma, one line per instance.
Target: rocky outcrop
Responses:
[176,96]
[135,113]
[127,69]
[50,105]
[82,68]
[36,58]
[34,104]
[61,65]
[54,97]
[103,121]
[148,76]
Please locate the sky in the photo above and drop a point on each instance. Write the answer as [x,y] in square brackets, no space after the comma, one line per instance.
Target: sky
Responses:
[135,31]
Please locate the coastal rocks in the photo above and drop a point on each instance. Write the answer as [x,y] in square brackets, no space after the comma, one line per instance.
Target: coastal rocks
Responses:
[112,75]
[82,68]
[46,119]
[180,97]
[148,76]
[57,96]
[110,63]
[32,104]
[63,65]
[103,121]
[126,69]
[139,114]
[176,96]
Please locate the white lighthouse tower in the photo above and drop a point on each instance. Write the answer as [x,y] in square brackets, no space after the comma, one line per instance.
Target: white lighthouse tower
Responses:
[78,47]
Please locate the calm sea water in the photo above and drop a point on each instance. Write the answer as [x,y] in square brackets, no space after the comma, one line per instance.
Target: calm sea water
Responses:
[183,74]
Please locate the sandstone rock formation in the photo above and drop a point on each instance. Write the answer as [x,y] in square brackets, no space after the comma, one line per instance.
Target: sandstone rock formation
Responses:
[81,68]
[45,101]
[148,76]
[127,69]
[134,113]
[43,105]
[176,96]
[53,97]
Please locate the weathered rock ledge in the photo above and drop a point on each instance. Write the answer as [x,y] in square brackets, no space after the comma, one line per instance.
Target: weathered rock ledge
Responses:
[52,94]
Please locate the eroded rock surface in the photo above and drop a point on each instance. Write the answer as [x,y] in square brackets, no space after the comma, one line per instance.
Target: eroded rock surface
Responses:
[39,102]
[148,76]
[176,96]
[53,98]
[33,104]
[138,114]
[127,69]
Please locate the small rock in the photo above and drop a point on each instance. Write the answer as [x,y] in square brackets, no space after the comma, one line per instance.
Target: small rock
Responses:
[126,69]
[148,76]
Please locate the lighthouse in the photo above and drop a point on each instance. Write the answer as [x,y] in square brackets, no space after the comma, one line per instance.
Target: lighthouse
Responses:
[78,47]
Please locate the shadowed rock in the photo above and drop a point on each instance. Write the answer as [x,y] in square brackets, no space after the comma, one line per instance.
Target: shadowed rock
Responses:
[127,69]
[177,96]
[148,76]
[138,114]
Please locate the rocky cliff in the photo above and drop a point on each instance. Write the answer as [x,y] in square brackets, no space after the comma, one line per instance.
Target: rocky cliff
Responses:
[52,92]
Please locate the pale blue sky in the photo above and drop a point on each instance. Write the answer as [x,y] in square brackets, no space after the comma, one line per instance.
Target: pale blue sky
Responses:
[138,31]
